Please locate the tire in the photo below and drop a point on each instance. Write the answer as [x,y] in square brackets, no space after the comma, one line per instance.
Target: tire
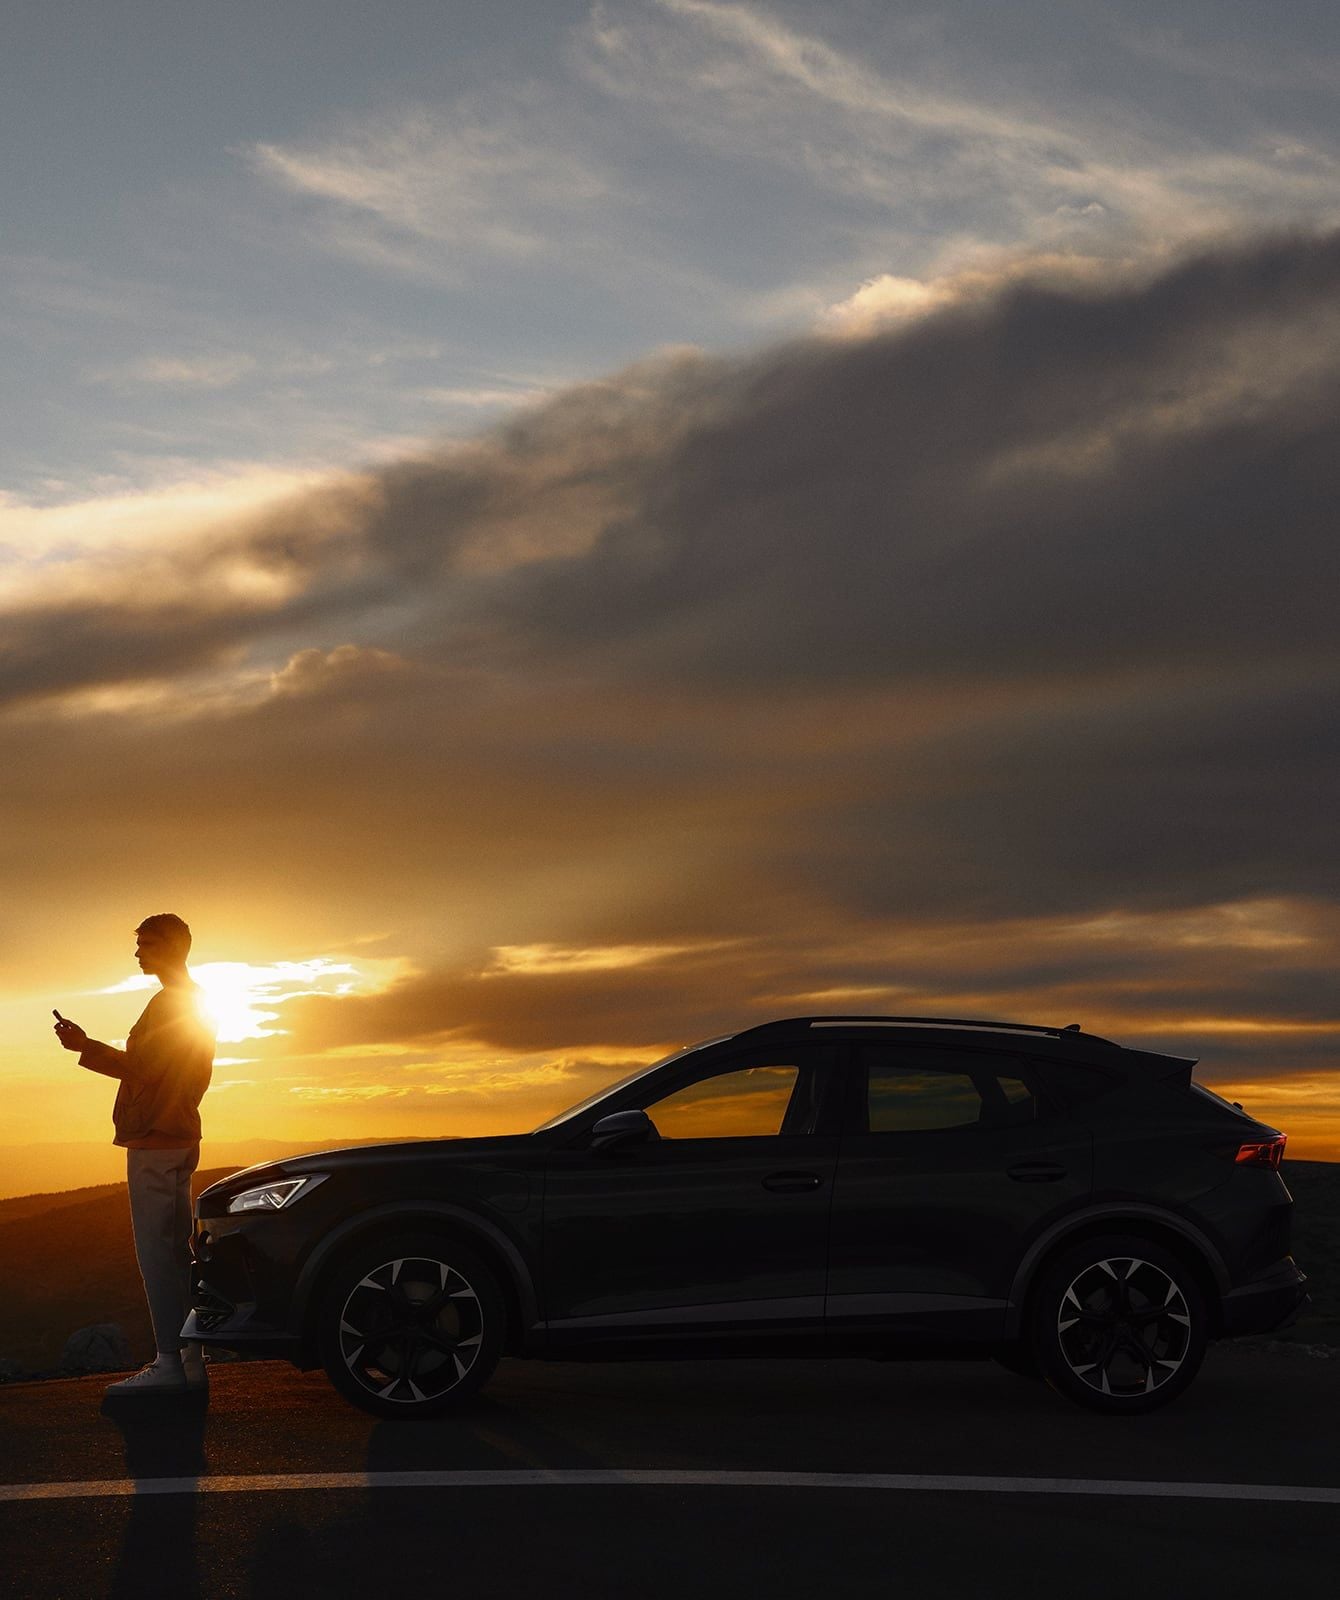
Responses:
[1118,1324]
[411,1326]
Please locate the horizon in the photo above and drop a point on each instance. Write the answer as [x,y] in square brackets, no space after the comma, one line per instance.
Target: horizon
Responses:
[548,533]
[210,1160]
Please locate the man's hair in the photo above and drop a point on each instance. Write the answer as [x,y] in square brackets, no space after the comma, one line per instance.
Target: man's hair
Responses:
[170,929]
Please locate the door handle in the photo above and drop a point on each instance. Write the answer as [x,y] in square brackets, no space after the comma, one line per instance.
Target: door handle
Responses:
[791,1182]
[1037,1172]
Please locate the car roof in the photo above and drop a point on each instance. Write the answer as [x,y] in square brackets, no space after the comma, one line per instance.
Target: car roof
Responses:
[1070,1039]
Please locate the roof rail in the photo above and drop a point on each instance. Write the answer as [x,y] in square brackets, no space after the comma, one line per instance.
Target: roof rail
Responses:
[977,1024]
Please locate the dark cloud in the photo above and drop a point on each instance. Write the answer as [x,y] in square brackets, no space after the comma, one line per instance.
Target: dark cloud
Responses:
[1055,481]
[1024,610]
[675,1000]
[1050,479]
[1148,985]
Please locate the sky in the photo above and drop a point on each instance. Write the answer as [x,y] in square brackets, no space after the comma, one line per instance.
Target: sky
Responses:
[548,532]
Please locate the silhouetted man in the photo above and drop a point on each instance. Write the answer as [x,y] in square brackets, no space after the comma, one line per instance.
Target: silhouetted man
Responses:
[164,1072]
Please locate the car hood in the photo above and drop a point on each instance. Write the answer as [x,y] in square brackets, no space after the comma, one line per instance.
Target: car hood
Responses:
[353,1157]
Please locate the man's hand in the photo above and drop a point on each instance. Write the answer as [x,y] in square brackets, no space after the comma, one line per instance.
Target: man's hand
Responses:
[70,1034]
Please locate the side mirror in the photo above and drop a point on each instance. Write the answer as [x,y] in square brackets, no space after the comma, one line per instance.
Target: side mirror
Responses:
[621,1128]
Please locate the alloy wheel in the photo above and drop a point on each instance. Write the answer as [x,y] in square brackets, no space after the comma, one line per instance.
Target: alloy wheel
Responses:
[410,1330]
[1124,1326]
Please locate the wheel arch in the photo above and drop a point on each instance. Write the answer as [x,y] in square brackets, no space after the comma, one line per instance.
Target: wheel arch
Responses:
[1174,1233]
[497,1250]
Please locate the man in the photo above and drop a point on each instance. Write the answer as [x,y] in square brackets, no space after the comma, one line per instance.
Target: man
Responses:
[164,1071]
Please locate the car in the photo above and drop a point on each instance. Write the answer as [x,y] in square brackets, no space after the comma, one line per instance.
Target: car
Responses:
[886,1187]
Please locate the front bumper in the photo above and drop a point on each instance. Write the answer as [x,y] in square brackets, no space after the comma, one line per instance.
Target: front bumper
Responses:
[240,1288]
[1268,1303]
[240,1332]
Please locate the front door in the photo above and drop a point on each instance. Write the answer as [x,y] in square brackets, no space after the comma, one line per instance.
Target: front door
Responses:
[719,1226]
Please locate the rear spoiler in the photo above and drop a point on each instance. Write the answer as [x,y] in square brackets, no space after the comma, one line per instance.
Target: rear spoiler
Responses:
[1173,1070]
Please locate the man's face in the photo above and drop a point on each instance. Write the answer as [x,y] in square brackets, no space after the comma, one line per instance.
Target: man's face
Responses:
[152,953]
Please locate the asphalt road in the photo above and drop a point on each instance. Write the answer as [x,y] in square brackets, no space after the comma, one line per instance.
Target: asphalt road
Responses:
[731,1520]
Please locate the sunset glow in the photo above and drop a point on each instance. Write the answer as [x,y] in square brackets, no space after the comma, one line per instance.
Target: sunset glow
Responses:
[240,1000]
[546,543]
[236,995]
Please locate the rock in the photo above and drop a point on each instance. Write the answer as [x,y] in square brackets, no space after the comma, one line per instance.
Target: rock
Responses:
[101,1348]
[10,1369]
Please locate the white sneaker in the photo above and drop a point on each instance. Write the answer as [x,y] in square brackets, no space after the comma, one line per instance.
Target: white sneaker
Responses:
[160,1377]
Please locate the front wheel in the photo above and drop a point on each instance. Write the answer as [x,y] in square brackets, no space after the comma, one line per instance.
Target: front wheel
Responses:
[411,1326]
[1118,1324]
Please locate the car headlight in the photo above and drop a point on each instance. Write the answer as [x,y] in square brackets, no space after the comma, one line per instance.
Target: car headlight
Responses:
[275,1196]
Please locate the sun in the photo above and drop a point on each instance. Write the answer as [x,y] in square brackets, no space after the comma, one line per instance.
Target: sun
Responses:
[243,1001]
[233,995]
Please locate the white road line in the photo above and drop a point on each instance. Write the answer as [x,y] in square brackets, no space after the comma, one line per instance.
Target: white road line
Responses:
[897,1482]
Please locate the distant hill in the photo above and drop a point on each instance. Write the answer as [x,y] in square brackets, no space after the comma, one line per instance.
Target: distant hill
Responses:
[29,1169]
[67,1261]
[68,1264]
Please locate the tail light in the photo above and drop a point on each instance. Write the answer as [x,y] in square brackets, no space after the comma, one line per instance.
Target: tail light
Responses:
[1251,1152]
[1261,1153]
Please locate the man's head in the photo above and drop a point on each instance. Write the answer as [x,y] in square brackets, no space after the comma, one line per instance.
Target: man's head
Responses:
[162,943]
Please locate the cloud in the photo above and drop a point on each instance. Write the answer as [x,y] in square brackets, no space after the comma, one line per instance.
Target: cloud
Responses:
[881,301]
[916,665]
[812,66]
[189,372]
[123,523]
[416,187]
[93,614]
[313,671]
[1167,980]
[486,397]
[856,137]
[886,300]
[959,153]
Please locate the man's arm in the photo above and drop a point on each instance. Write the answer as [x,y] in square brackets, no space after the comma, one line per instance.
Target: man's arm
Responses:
[104,1058]
[93,1054]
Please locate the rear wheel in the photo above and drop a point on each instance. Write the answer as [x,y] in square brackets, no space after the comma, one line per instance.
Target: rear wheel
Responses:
[1119,1324]
[411,1326]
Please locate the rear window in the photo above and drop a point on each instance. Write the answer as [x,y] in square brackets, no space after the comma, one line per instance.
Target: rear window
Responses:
[1218,1099]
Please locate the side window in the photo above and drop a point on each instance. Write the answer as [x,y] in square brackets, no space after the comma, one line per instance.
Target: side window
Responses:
[746,1102]
[903,1100]
[913,1090]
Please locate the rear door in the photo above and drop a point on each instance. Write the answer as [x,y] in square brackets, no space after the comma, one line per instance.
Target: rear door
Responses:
[951,1161]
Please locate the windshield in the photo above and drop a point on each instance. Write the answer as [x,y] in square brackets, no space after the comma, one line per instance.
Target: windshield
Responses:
[632,1077]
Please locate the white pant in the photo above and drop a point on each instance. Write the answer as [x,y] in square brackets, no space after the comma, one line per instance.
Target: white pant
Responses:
[160,1215]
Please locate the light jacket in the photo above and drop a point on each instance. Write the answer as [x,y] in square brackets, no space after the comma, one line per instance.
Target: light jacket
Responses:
[164,1071]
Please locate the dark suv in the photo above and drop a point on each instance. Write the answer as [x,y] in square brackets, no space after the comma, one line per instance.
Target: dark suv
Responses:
[878,1186]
